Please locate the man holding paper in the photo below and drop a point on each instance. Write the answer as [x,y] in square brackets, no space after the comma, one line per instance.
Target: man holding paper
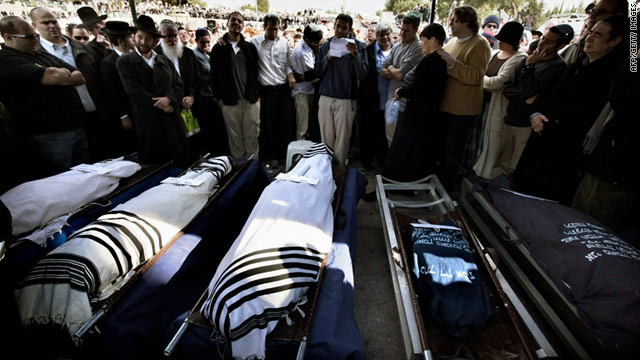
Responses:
[341,64]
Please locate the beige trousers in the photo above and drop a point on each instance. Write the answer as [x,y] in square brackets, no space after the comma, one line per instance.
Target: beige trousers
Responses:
[243,127]
[335,117]
[514,139]
[303,104]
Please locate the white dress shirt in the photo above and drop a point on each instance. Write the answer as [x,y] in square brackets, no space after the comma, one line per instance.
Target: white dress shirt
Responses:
[274,63]
[303,60]
[65,54]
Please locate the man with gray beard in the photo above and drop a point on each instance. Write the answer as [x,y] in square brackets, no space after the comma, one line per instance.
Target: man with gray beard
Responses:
[185,63]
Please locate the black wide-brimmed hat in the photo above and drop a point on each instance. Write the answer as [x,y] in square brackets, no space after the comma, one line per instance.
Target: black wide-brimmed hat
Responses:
[89,17]
[147,24]
[117,28]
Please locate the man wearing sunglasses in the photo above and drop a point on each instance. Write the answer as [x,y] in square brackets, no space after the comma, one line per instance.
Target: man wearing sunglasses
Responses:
[596,12]
[79,56]
[490,27]
[34,85]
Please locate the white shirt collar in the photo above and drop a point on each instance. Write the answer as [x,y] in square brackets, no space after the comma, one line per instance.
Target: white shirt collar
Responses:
[461,40]
[151,61]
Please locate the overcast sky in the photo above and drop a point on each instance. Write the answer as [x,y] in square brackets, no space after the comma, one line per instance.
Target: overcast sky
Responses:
[361,6]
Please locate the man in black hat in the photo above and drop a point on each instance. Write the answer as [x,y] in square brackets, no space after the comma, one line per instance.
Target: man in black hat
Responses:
[118,103]
[100,47]
[156,91]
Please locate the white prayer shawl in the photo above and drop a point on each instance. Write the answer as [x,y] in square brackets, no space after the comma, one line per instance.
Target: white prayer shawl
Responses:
[277,256]
[36,203]
[96,259]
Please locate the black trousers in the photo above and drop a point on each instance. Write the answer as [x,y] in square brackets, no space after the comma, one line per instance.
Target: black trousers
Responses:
[277,121]
[373,140]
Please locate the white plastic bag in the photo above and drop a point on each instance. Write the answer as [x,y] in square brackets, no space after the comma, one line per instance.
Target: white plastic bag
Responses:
[391,111]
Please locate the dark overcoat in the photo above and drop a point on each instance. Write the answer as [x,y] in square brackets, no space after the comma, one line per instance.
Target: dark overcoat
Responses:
[161,136]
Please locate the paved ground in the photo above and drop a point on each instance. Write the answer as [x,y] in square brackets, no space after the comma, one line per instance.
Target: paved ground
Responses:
[376,312]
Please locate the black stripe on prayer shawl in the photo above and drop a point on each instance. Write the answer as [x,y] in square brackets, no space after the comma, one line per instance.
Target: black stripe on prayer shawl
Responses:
[101,232]
[155,244]
[319,149]
[255,283]
[126,213]
[126,234]
[293,255]
[262,252]
[77,271]
[260,321]
[254,295]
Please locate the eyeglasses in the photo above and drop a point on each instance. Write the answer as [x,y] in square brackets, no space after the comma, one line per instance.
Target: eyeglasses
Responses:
[85,38]
[171,36]
[26,36]
[597,12]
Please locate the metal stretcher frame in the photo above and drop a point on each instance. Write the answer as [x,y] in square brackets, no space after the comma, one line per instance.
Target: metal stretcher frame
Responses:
[560,315]
[413,331]
[195,317]
[104,307]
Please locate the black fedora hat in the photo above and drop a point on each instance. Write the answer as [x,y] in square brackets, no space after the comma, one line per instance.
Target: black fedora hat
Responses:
[116,28]
[89,17]
[147,24]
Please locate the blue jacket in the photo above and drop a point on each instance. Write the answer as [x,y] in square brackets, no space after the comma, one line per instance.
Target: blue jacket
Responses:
[336,75]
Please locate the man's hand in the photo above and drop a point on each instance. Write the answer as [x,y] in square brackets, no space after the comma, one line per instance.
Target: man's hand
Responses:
[291,80]
[395,94]
[535,57]
[530,100]
[102,40]
[163,103]
[220,104]
[221,41]
[446,57]
[127,124]
[537,123]
[353,49]
[187,102]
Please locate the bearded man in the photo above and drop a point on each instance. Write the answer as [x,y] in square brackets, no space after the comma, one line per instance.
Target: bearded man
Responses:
[156,93]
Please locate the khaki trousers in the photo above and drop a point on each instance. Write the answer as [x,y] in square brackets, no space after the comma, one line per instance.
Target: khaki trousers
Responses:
[514,139]
[243,128]
[303,104]
[335,117]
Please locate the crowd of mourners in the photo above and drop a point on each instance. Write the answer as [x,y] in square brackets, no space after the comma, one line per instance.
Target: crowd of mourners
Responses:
[552,110]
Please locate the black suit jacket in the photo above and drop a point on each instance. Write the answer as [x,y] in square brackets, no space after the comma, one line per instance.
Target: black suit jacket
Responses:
[116,98]
[160,135]
[189,72]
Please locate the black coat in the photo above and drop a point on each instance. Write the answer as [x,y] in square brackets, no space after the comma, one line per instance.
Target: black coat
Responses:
[618,151]
[222,82]
[161,136]
[189,72]
[116,98]
[418,141]
[551,163]
[368,91]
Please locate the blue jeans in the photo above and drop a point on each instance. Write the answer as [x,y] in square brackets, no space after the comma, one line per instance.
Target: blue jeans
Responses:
[57,152]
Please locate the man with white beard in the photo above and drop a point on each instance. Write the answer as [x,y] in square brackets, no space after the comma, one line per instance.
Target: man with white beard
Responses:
[185,63]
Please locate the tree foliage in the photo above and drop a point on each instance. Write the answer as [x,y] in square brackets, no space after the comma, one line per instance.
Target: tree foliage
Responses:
[516,10]
[401,6]
[263,6]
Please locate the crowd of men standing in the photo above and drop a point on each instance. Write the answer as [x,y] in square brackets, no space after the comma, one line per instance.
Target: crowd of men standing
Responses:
[129,89]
